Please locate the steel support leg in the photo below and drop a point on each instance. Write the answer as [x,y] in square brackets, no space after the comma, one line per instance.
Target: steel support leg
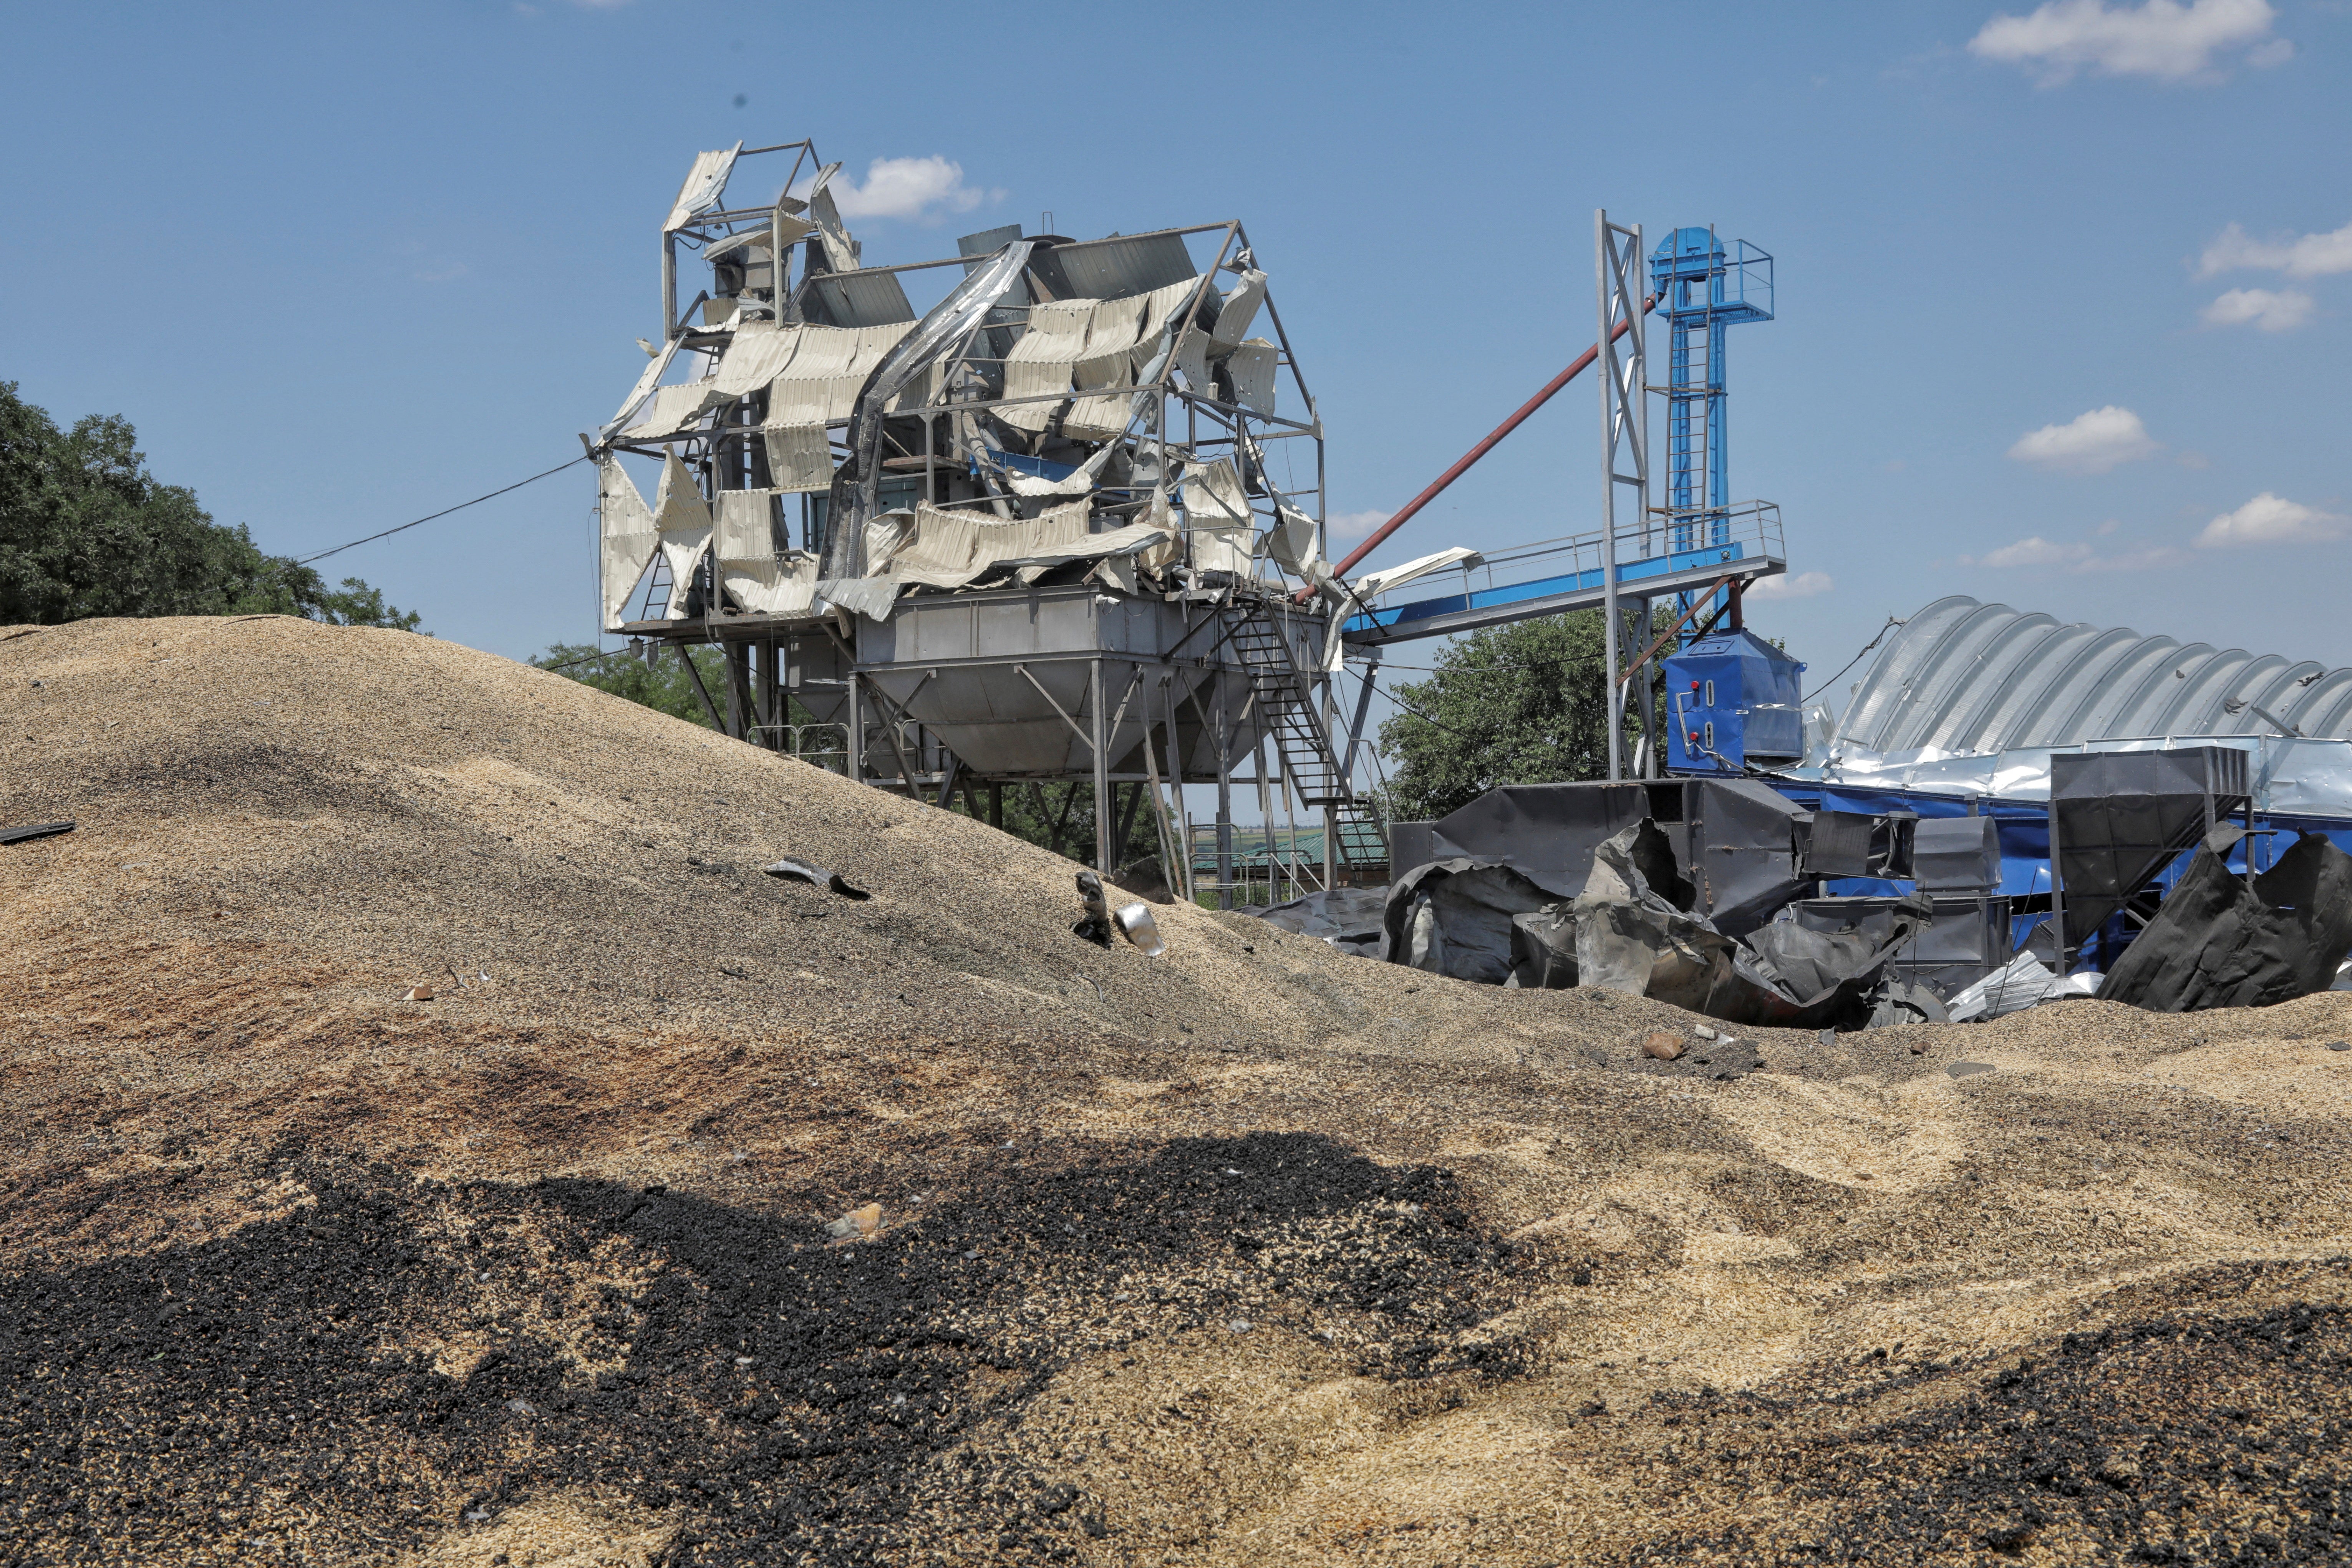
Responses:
[1224,798]
[1102,766]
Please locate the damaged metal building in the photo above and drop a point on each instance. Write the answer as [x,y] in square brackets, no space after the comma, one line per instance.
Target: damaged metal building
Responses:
[1051,510]
[2012,808]
[1040,509]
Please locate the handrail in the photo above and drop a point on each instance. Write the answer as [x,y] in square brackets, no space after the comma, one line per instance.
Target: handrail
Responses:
[1752,523]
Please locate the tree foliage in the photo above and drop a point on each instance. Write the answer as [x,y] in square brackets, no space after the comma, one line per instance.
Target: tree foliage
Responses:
[86,530]
[662,685]
[1061,817]
[1518,704]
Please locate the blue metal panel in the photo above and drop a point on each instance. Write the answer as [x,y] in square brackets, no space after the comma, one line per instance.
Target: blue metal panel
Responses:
[1731,698]
[1590,582]
[2023,826]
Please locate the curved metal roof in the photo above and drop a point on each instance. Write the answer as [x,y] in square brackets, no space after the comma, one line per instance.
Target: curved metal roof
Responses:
[1966,677]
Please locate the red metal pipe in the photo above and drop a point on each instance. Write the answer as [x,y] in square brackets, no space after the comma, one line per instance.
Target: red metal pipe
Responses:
[1476,452]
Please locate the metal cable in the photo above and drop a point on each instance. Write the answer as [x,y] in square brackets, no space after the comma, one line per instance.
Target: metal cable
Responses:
[338,549]
[1891,623]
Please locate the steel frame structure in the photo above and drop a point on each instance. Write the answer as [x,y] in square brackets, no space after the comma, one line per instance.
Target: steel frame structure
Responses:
[1624,440]
[1226,668]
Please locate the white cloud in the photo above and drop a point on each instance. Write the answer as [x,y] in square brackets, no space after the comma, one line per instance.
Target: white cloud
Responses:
[923,189]
[1803,585]
[2265,309]
[2161,39]
[2147,558]
[1346,525]
[2297,256]
[2271,520]
[2035,550]
[2089,443]
[2053,554]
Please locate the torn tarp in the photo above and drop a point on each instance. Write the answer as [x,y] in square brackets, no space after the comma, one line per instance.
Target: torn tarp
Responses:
[1453,917]
[1631,937]
[2217,943]
[1350,919]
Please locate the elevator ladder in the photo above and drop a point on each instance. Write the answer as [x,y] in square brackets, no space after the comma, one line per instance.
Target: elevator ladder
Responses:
[1284,696]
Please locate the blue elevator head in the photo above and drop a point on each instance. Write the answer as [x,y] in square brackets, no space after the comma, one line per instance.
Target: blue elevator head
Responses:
[1731,699]
[1693,273]
[1686,253]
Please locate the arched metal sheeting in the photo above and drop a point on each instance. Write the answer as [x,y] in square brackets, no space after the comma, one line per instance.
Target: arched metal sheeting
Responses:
[1967,677]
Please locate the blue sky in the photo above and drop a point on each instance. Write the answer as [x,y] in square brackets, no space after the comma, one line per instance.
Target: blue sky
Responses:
[2058,288]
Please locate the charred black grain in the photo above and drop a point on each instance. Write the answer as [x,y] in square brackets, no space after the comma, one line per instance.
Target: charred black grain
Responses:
[778,1396]
[2212,1440]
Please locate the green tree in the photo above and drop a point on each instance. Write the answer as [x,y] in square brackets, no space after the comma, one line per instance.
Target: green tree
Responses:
[661,685]
[86,530]
[1061,817]
[1517,704]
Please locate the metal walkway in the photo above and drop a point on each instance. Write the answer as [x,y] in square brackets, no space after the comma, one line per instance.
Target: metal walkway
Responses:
[1532,580]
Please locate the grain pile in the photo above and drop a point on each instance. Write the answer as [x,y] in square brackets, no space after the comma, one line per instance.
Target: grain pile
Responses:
[1251,1254]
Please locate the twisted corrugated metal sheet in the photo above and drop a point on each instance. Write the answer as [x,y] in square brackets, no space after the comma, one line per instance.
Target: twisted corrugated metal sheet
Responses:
[1966,677]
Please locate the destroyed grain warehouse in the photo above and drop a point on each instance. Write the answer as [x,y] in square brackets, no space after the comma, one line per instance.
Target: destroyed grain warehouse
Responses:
[458,1117]
[1016,538]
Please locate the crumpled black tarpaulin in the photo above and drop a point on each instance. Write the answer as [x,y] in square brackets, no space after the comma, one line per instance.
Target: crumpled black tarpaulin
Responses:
[1633,928]
[1630,939]
[1453,917]
[2217,942]
[1348,918]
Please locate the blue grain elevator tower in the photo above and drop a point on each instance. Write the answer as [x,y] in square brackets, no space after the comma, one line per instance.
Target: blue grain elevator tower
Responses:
[1731,696]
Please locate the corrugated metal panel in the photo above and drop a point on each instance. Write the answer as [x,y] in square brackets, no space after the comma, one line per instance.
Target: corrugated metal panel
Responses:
[859,299]
[1967,677]
[987,242]
[1119,267]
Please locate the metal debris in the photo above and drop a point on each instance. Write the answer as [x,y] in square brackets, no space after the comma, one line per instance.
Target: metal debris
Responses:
[1094,925]
[816,877]
[1136,924]
[36,830]
[2223,940]
[2025,982]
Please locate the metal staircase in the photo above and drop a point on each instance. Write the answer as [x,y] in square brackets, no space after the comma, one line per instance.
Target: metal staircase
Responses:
[1285,695]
